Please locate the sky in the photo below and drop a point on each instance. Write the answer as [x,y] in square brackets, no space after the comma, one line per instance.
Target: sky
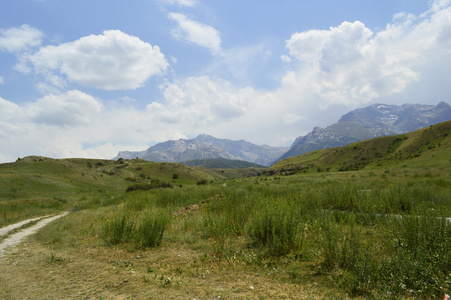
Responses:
[90,78]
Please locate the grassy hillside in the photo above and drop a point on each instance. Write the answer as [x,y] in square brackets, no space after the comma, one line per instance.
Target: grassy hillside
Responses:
[430,146]
[221,163]
[33,186]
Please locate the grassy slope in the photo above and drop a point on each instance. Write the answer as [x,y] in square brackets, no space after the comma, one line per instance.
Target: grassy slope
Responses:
[221,163]
[35,186]
[430,146]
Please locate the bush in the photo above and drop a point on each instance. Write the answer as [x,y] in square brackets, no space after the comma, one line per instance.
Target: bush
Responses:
[154,184]
[202,182]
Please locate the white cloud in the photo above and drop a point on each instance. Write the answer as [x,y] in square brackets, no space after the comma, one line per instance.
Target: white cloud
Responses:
[199,101]
[285,58]
[188,3]
[436,5]
[110,61]
[1,80]
[20,38]
[351,65]
[197,33]
[8,109]
[72,108]
[61,125]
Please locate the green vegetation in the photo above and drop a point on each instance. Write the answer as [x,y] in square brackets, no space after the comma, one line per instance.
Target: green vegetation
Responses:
[425,147]
[381,230]
[221,163]
[36,186]
[368,235]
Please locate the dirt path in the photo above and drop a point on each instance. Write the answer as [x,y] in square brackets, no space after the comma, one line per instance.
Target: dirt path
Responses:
[16,238]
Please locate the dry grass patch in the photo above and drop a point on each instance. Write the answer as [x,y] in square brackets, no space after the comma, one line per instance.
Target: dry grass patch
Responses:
[35,271]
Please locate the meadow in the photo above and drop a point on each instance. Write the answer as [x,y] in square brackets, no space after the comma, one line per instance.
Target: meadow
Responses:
[379,233]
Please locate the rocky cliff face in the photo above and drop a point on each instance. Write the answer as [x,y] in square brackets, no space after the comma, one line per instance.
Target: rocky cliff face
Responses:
[373,121]
[204,147]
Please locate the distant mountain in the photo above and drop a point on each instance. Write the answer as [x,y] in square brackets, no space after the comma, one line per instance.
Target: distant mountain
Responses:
[366,123]
[430,146]
[207,147]
[220,163]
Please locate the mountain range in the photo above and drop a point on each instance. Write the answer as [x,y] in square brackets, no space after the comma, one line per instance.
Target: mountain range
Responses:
[207,147]
[376,120]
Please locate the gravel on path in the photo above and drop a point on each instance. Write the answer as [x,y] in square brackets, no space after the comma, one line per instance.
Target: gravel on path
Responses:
[17,237]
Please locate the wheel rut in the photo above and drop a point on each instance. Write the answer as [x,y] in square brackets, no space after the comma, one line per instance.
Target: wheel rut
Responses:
[15,238]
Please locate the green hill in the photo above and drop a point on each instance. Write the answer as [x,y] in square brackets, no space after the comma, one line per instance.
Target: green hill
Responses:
[34,185]
[430,146]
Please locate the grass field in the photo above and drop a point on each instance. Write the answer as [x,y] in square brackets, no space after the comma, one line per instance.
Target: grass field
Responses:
[301,236]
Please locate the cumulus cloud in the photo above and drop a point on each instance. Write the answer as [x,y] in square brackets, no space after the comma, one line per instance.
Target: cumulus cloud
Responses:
[19,39]
[110,61]
[196,32]
[200,102]
[59,125]
[72,108]
[349,64]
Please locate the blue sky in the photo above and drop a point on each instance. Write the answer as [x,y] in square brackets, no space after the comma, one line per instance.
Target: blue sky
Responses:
[91,78]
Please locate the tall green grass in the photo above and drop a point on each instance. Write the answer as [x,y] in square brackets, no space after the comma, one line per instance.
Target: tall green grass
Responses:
[277,226]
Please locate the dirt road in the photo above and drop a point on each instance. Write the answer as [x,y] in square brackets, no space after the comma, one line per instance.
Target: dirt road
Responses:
[17,237]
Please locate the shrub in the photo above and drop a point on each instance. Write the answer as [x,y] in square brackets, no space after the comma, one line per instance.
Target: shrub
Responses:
[154,184]
[202,182]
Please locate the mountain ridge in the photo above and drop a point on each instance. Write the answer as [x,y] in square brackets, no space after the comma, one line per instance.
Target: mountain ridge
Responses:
[373,121]
[206,147]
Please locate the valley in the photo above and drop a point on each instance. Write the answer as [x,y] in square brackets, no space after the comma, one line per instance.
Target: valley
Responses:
[323,225]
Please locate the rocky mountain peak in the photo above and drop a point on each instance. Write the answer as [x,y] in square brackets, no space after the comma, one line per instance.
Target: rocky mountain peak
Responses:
[370,122]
